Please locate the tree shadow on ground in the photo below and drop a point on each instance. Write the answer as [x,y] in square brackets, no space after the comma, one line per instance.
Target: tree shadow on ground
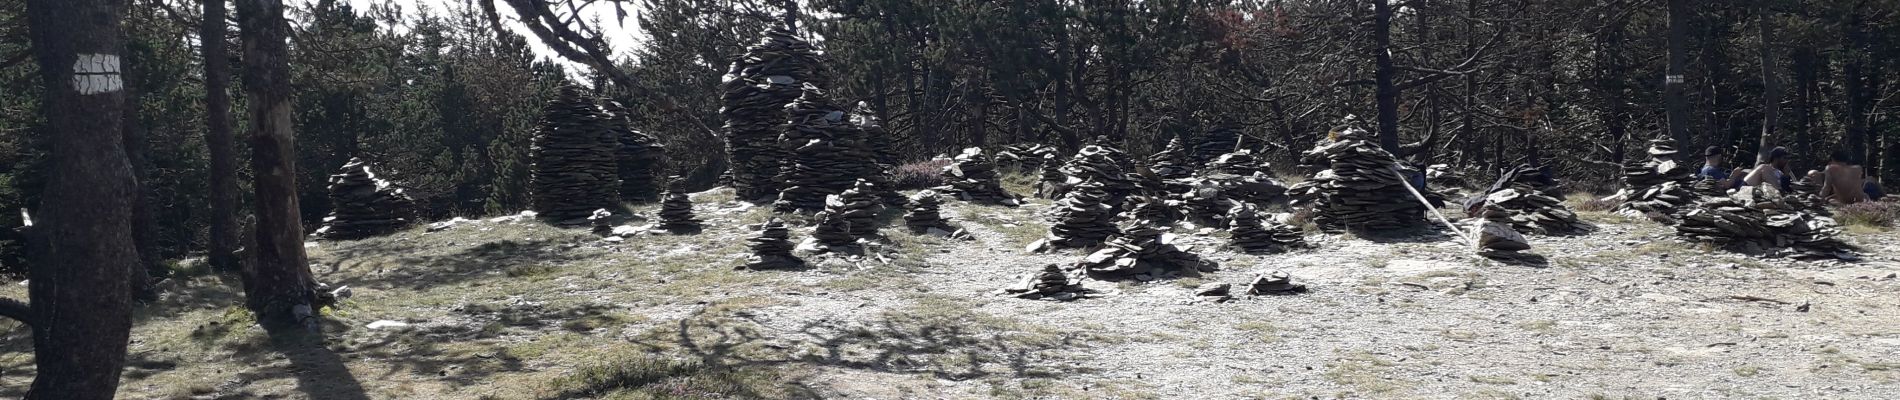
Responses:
[421,272]
[320,373]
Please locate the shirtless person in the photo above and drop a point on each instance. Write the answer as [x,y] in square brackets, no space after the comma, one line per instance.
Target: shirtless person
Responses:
[1771,172]
[1843,182]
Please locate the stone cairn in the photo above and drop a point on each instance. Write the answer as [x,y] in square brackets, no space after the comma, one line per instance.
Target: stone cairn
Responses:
[676,211]
[1657,187]
[1274,283]
[638,156]
[1025,157]
[1221,138]
[1052,184]
[364,205]
[754,94]
[574,171]
[1105,165]
[1151,208]
[1533,212]
[828,154]
[924,215]
[1049,284]
[1144,252]
[1241,176]
[1203,202]
[878,141]
[1360,190]
[972,177]
[1253,235]
[1496,238]
[1761,220]
[831,231]
[1173,161]
[1082,220]
[772,248]
[859,207]
[603,222]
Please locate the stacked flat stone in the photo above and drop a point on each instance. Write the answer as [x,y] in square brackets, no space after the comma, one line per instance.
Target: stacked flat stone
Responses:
[1761,220]
[575,170]
[1203,202]
[755,92]
[1533,212]
[1150,208]
[972,177]
[603,222]
[828,154]
[676,211]
[1241,176]
[1657,186]
[1105,165]
[1274,283]
[772,248]
[1026,156]
[1251,234]
[1173,161]
[1359,191]
[859,207]
[1442,175]
[1082,220]
[924,215]
[1239,162]
[638,156]
[1143,251]
[1496,237]
[833,230]
[1052,184]
[1221,138]
[1051,283]
[879,142]
[364,204]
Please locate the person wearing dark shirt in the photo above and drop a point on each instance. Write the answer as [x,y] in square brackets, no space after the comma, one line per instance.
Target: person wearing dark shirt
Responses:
[1714,164]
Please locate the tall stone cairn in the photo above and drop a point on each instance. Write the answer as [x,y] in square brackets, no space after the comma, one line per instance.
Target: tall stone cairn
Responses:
[1173,161]
[1221,137]
[772,248]
[1658,187]
[755,92]
[1252,234]
[364,205]
[1052,184]
[828,154]
[924,213]
[1082,220]
[884,151]
[1359,191]
[574,171]
[676,211]
[1105,165]
[972,177]
[638,156]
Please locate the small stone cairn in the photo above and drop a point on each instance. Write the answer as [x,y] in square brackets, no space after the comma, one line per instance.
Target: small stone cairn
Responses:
[924,216]
[575,170]
[364,205]
[676,211]
[1658,187]
[1052,183]
[972,177]
[1105,165]
[1274,283]
[1173,161]
[1251,234]
[1051,283]
[828,154]
[1082,220]
[1221,137]
[772,248]
[1143,251]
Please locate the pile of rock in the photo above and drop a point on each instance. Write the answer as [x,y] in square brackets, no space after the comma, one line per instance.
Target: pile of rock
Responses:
[1052,183]
[1221,138]
[603,222]
[1240,162]
[1442,175]
[972,177]
[831,231]
[1534,212]
[755,92]
[1026,156]
[1104,165]
[859,207]
[1241,176]
[1274,283]
[1082,220]
[1143,251]
[1360,190]
[363,204]
[1150,208]
[1217,292]
[828,154]
[1657,187]
[676,211]
[772,248]
[1049,284]
[638,156]
[575,170]
[924,216]
[1173,161]
[1251,234]
[1760,220]
[1496,238]
[879,144]
[1203,202]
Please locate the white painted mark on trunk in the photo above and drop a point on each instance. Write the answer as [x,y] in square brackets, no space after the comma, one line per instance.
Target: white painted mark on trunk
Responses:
[97,73]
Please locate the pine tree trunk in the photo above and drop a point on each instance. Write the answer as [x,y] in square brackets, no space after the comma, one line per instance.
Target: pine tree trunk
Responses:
[281,290]
[80,290]
[223,189]
[1677,105]
[1771,89]
[1388,92]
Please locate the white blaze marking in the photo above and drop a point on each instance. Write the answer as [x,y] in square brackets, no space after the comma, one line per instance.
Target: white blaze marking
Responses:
[97,73]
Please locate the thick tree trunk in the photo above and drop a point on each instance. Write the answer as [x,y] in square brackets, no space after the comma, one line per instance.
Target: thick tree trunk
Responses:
[223,187]
[281,290]
[1677,105]
[1388,91]
[1852,84]
[1771,89]
[1806,84]
[1610,89]
[80,291]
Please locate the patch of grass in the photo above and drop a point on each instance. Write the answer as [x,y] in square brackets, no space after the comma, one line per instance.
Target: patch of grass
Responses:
[642,376]
[1020,183]
[1492,379]
[524,271]
[1661,247]
[1875,216]
[1259,330]
[1540,326]
[1366,373]
[1747,371]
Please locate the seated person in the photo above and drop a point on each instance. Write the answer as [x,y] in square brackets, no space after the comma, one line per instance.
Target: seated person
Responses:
[1714,164]
[1771,171]
[1843,182]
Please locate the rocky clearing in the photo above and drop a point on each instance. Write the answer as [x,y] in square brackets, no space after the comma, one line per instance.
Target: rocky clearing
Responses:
[511,310]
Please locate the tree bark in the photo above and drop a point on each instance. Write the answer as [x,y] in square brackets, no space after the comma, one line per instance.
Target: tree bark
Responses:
[280,290]
[144,221]
[1388,92]
[80,291]
[1770,87]
[1852,78]
[223,188]
[1677,106]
